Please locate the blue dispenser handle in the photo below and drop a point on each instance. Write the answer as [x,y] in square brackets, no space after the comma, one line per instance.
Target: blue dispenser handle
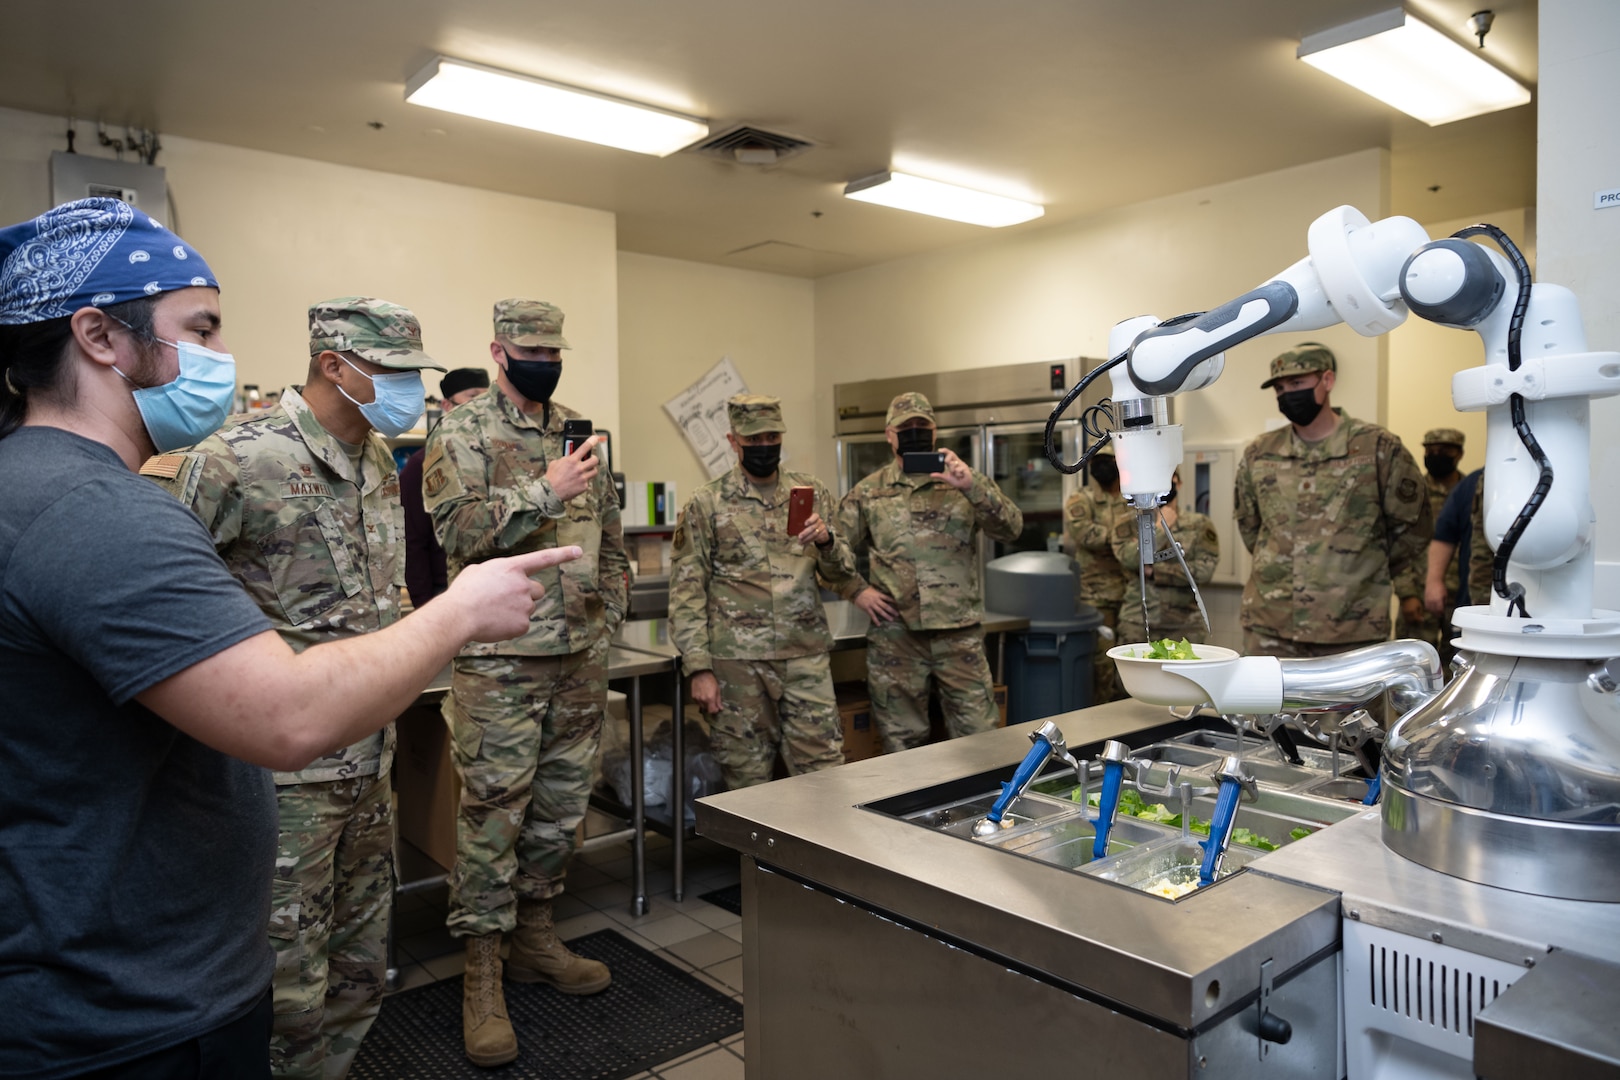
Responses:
[1375,787]
[1114,756]
[1220,828]
[1027,769]
[1235,783]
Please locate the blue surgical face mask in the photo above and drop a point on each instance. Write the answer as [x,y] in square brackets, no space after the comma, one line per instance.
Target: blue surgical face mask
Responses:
[195,404]
[397,401]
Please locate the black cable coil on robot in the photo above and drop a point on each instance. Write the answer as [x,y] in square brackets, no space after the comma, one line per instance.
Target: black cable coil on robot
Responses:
[1091,416]
[1513,592]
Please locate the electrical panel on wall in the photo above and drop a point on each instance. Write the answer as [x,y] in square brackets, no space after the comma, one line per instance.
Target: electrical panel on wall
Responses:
[83,176]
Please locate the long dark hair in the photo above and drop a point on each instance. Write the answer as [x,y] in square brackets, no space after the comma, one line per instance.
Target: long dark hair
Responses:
[33,359]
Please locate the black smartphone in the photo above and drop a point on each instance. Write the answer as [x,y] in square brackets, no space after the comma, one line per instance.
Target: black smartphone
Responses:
[575,432]
[923,461]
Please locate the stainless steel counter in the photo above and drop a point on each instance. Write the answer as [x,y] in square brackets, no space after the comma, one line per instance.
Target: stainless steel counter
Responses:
[1380,888]
[1142,968]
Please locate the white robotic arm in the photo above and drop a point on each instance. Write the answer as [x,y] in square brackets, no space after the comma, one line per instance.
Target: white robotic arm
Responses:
[1535,387]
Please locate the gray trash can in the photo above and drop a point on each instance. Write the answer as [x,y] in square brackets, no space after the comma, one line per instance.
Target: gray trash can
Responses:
[1049,665]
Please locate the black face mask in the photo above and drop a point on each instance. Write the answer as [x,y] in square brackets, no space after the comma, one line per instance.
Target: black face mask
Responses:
[534,379]
[1104,470]
[914,440]
[761,461]
[1440,466]
[1299,406]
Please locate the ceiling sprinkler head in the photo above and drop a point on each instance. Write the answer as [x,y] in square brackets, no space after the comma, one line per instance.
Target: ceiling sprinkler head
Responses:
[1479,24]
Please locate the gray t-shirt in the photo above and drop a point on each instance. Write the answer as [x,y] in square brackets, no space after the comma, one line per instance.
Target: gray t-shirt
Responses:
[135,862]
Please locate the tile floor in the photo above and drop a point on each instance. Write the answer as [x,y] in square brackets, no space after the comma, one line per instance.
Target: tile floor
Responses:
[692,934]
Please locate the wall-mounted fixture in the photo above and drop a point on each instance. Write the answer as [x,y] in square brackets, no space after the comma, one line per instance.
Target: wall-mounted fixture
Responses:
[1407,63]
[905,192]
[540,105]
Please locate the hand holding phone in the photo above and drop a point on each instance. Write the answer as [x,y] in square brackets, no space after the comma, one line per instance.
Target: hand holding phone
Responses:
[575,432]
[801,504]
[572,473]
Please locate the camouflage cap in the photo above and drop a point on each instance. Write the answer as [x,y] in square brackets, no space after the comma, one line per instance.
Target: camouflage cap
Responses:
[533,324]
[907,406]
[752,414]
[1444,435]
[1307,359]
[375,330]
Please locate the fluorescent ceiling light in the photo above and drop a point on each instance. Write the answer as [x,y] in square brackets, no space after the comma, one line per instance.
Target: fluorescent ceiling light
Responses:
[1412,66]
[904,192]
[490,94]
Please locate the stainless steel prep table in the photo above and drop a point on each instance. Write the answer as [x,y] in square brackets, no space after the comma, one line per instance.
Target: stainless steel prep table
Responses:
[848,624]
[874,947]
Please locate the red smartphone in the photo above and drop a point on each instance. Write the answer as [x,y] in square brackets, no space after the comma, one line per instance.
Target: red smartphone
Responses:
[801,504]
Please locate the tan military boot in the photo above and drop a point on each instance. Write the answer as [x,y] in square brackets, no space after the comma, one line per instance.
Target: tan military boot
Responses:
[538,956]
[486,1033]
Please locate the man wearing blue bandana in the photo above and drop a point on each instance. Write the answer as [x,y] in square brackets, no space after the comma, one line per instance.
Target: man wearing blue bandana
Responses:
[303,504]
[146,695]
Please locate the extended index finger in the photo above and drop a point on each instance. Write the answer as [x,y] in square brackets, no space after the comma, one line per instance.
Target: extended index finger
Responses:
[532,561]
[586,448]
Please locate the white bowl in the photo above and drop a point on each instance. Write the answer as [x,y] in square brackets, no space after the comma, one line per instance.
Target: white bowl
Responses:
[1147,680]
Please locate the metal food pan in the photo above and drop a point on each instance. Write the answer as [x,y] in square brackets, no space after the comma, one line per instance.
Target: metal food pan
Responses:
[1071,842]
[1343,788]
[1172,753]
[1177,859]
[958,818]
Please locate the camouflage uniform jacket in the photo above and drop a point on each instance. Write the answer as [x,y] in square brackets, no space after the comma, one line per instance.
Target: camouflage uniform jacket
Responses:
[1170,598]
[740,587]
[1333,525]
[1090,517]
[1438,490]
[483,481]
[922,537]
[321,551]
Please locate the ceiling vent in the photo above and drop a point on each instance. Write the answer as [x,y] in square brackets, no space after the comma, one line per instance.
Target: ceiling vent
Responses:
[752,146]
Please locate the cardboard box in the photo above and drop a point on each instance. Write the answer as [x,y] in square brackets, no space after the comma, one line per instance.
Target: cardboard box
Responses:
[649,556]
[999,693]
[861,738]
[426,784]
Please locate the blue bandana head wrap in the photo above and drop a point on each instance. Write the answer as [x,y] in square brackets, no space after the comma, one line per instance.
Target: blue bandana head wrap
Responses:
[90,253]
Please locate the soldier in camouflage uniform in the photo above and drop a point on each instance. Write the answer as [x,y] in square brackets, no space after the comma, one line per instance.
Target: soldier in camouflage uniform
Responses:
[922,531]
[1090,518]
[745,611]
[1442,450]
[1335,513]
[1172,611]
[303,504]
[525,715]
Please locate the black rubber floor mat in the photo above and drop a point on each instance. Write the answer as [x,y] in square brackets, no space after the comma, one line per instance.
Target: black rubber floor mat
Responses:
[653,1012]
[729,898]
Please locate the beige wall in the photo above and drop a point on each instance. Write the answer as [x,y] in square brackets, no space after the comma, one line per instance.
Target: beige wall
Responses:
[1056,292]
[1423,357]
[281,232]
[1578,154]
[676,320]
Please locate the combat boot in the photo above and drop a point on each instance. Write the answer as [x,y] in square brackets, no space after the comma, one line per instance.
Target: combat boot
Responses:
[486,1033]
[538,956]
